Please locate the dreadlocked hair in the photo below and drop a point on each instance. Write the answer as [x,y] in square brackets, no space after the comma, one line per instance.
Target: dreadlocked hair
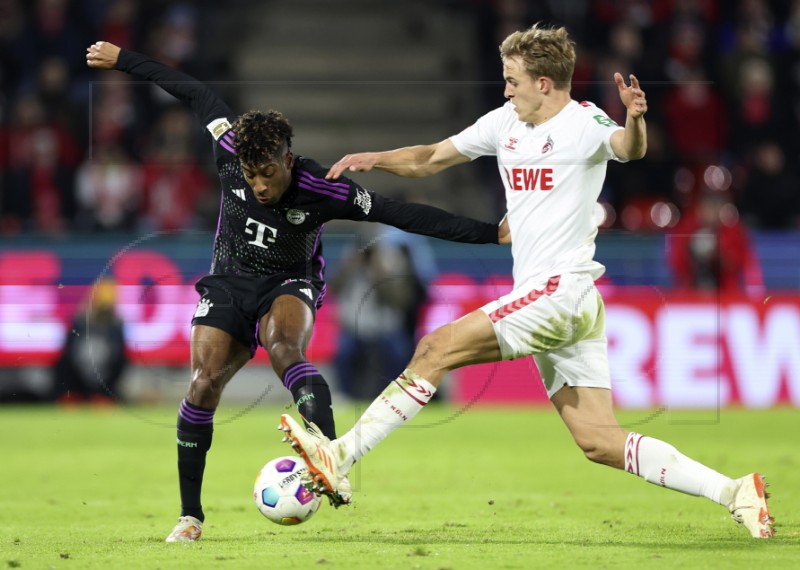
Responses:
[261,136]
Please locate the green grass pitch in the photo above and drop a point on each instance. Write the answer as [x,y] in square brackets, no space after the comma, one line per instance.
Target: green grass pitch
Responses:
[479,488]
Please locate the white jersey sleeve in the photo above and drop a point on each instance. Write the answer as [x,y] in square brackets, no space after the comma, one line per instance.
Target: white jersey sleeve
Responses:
[480,139]
[596,140]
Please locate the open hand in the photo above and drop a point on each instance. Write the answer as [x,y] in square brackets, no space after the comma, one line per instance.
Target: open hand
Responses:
[361,162]
[102,55]
[632,97]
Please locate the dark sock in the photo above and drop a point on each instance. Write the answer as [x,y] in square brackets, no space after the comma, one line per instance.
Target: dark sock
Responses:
[311,395]
[195,428]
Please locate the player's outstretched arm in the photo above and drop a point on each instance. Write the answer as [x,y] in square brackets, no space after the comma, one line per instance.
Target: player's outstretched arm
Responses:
[411,161]
[434,222]
[631,143]
[203,101]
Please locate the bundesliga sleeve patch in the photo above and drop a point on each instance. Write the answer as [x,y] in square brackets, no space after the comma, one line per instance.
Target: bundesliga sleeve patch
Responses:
[218,127]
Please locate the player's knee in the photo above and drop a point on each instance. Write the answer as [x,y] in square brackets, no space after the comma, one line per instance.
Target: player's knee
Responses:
[431,347]
[205,390]
[283,353]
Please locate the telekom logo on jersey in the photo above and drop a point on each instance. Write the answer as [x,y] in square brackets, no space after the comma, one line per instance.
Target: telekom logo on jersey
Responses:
[258,231]
[530,178]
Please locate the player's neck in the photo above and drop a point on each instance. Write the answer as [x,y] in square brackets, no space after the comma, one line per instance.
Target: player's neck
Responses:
[551,107]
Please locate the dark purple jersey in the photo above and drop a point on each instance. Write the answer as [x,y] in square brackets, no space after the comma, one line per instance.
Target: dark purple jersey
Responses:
[257,240]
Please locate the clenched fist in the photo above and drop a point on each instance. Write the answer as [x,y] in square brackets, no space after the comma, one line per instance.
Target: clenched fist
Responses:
[102,55]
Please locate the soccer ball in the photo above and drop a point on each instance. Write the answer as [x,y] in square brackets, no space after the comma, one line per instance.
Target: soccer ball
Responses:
[279,494]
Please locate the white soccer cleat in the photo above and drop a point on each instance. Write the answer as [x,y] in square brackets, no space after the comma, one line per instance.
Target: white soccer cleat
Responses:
[749,506]
[343,495]
[188,529]
[323,465]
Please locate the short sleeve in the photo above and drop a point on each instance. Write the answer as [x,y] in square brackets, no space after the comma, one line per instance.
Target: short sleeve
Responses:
[596,140]
[481,138]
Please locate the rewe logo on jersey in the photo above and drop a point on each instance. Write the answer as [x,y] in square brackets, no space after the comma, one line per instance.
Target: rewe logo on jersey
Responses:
[530,179]
[511,144]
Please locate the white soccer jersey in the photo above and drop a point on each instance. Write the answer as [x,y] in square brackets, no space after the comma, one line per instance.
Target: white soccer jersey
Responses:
[553,174]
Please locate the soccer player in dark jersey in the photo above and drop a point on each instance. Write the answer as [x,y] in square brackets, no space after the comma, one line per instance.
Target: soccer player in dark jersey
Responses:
[267,274]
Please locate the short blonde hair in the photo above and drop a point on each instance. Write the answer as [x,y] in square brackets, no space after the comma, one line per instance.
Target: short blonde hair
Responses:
[545,52]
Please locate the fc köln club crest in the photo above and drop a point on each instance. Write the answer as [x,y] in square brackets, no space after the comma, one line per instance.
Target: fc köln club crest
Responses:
[548,146]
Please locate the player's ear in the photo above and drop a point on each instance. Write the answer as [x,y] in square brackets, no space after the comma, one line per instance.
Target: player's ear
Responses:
[545,84]
[289,160]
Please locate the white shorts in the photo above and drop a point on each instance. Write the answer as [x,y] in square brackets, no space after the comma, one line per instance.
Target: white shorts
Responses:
[561,323]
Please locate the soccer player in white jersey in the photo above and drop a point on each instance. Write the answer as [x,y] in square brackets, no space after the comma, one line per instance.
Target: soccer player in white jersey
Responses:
[551,153]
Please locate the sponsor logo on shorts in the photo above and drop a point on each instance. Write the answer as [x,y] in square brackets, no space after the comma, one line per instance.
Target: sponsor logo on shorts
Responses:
[202,308]
[307,293]
[295,217]
[288,281]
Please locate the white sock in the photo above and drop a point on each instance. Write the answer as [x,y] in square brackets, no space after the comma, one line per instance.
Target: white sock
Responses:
[399,402]
[661,464]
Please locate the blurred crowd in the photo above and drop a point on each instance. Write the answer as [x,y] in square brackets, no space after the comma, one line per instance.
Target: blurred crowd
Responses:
[86,151]
[723,88]
[83,151]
